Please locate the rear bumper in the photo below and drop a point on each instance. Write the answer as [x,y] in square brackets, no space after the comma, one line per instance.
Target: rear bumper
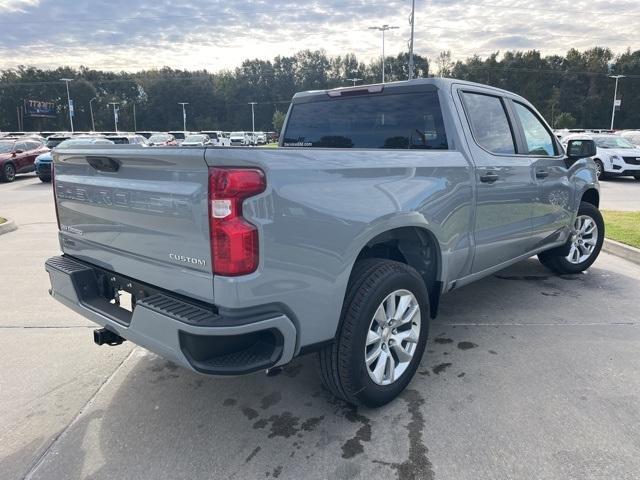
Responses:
[193,335]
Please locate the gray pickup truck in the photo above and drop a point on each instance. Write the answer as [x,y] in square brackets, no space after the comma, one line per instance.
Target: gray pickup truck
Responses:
[341,241]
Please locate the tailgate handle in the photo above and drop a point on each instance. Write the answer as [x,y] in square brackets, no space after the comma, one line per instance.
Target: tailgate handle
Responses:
[104,164]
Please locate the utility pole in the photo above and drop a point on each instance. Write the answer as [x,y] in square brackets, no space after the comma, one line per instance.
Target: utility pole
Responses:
[93,123]
[354,80]
[615,96]
[253,118]
[70,106]
[115,114]
[135,127]
[383,29]
[411,21]
[184,115]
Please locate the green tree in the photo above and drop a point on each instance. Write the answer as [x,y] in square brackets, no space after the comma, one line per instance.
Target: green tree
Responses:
[278,120]
[565,120]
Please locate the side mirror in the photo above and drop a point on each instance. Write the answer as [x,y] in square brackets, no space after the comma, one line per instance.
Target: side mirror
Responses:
[577,149]
[16,152]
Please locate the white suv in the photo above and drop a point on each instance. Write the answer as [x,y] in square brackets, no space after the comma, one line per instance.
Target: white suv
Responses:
[616,156]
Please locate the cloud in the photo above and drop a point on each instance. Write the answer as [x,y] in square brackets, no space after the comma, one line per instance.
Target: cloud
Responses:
[216,34]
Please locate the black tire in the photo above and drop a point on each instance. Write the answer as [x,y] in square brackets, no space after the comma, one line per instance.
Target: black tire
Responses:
[8,172]
[44,179]
[599,169]
[556,259]
[342,364]
[637,177]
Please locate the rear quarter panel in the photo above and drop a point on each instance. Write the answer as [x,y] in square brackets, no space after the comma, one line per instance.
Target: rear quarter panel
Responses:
[322,206]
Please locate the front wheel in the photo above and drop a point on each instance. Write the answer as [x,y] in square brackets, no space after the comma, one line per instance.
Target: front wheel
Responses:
[599,169]
[8,173]
[583,246]
[45,179]
[382,336]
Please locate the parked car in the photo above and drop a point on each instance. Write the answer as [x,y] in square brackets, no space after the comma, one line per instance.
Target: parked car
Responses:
[17,156]
[615,155]
[218,138]
[43,161]
[55,140]
[240,139]
[128,139]
[179,135]
[146,133]
[162,140]
[197,140]
[341,242]
[633,136]
[260,138]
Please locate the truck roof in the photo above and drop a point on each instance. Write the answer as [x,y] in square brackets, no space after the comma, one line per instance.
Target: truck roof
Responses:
[400,86]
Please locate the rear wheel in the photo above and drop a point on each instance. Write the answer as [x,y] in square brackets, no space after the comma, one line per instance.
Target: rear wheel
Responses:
[583,246]
[382,336]
[8,172]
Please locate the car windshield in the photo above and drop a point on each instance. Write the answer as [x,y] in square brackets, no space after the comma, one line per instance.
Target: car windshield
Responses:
[634,138]
[613,142]
[196,138]
[6,147]
[159,138]
[178,135]
[237,134]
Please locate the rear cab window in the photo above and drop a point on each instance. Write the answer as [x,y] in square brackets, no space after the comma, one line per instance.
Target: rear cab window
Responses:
[379,120]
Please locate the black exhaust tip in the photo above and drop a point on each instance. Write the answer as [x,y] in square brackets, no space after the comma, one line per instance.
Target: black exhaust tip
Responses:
[103,336]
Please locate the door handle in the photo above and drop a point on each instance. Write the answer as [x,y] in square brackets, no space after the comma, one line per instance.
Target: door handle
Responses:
[489,177]
[542,174]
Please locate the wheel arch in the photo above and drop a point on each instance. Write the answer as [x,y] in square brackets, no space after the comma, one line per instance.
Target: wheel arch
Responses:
[415,246]
[592,196]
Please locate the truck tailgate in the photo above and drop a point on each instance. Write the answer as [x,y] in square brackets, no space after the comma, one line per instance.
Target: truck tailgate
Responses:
[140,212]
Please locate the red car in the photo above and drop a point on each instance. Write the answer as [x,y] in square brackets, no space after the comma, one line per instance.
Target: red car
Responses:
[17,156]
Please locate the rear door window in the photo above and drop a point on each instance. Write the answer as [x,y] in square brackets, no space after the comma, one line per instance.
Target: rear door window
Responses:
[489,122]
[396,121]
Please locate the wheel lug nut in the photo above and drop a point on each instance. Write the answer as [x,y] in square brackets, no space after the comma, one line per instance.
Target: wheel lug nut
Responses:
[394,331]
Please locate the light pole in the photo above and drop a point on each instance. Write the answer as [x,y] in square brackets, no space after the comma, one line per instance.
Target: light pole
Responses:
[383,29]
[93,123]
[115,114]
[184,115]
[253,120]
[615,96]
[411,21]
[70,107]
[354,80]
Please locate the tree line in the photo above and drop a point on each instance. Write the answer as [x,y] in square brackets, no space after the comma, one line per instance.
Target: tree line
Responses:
[573,90]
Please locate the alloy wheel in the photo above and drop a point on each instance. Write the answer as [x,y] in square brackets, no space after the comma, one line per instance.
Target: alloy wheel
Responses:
[392,337]
[584,239]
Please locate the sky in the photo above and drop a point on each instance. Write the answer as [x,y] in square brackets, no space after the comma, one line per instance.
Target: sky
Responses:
[219,34]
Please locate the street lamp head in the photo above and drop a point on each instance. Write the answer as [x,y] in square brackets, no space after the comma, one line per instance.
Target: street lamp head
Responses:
[66,79]
[617,76]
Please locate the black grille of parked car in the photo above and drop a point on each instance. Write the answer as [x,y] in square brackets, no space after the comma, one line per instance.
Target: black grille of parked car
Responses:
[631,160]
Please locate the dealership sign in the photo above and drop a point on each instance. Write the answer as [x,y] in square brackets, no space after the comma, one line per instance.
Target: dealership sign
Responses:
[37,108]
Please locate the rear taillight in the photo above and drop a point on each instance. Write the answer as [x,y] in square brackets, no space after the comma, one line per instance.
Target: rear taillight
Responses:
[234,241]
[53,187]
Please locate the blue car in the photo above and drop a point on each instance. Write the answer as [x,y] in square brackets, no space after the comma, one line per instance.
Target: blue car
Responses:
[43,167]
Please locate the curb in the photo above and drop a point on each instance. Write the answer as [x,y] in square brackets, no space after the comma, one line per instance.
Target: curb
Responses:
[621,250]
[8,226]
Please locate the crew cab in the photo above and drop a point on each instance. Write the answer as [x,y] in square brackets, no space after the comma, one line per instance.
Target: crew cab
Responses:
[379,200]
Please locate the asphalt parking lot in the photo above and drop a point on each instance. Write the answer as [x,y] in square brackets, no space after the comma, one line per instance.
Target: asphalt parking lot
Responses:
[622,193]
[527,375]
